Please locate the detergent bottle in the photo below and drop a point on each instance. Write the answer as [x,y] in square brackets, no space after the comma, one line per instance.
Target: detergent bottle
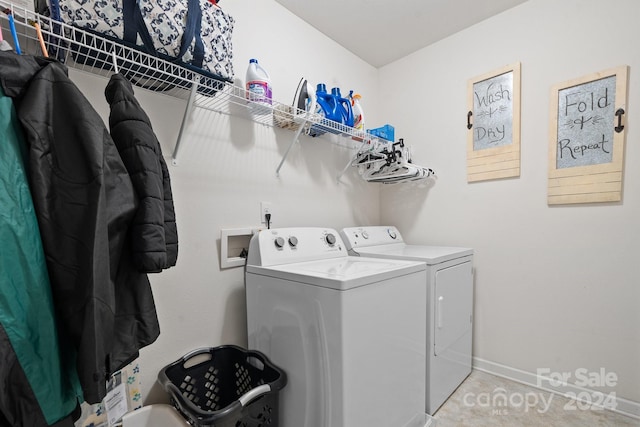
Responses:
[343,107]
[325,106]
[258,85]
[327,103]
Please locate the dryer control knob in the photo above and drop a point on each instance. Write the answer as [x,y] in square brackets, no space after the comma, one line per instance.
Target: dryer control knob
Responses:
[279,242]
[365,235]
[293,241]
[330,239]
[392,233]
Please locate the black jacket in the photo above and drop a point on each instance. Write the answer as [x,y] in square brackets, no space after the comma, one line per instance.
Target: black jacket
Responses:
[84,202]
[36,389]
[154,234]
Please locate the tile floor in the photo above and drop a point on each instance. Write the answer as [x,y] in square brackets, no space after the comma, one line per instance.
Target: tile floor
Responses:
[471,405]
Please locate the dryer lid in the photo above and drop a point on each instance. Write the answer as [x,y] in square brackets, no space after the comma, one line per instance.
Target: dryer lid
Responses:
[340,273]
[429,254]
[387,242]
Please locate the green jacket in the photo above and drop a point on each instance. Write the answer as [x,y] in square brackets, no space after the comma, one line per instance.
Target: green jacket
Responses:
[36,389]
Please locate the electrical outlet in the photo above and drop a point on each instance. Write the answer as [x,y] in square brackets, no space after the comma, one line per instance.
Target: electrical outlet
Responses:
[265,208]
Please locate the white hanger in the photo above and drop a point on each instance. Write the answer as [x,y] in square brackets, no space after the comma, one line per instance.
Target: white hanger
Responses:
[4,45]
[115,61]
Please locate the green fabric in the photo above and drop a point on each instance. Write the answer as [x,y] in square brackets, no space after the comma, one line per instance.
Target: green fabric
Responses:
[26,307]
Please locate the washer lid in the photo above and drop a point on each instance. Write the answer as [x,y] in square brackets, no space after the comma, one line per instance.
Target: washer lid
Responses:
[340,273]
[429,254]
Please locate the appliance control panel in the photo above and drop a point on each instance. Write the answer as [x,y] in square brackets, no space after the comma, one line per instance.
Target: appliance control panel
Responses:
[288,245]
[355,237]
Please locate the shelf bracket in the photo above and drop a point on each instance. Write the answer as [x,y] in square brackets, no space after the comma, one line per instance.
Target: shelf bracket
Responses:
[293,141]
[364,142]
[185,119]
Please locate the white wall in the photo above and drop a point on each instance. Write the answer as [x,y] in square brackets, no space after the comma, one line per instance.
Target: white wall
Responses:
[555,287]
[227,166]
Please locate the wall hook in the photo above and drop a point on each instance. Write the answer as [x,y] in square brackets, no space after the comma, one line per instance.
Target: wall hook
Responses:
[469,125]
[619,113]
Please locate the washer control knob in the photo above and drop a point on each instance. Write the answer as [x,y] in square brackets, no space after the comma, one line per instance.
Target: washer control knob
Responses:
[392,233]
[293,241]
[279,242]
[365,235]
[330,239]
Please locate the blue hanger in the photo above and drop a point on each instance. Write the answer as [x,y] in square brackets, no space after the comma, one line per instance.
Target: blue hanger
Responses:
[14,33]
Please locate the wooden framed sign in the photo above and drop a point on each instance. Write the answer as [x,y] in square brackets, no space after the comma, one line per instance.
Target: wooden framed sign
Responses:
[586,138]
[493,123]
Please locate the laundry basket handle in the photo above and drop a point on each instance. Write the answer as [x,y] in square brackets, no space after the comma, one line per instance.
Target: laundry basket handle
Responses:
[195,352]
[254,393]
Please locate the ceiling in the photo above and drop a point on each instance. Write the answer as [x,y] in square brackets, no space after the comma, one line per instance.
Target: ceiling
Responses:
[381,32]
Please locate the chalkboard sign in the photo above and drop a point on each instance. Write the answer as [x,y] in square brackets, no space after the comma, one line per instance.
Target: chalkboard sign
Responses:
[493,123]
[493,112]
[586,138]
[585,123]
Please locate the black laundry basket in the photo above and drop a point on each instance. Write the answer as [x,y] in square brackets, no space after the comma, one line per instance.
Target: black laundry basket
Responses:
[225,386]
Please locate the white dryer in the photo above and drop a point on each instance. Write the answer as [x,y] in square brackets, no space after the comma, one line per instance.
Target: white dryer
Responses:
[449,303]
[348,331]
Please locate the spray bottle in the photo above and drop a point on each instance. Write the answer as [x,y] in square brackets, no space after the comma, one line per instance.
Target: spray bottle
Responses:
[358,115]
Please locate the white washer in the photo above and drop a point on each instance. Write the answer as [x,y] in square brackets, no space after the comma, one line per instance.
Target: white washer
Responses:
[348,331]
[449,303]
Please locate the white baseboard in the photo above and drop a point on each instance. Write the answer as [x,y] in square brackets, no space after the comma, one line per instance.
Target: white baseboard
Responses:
[613,403]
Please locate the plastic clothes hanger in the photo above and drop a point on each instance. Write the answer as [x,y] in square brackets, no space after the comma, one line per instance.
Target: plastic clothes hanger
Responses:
[390,164]
[115,61]
[14,33]
[43,47]
[4,45]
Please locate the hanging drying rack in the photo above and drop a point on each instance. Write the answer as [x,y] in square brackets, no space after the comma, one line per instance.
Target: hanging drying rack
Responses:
[94,54]
[389,163]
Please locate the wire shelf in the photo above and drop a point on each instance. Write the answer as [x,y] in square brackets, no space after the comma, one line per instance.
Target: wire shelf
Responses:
[96,54]
[99,55]
[82,50]
[232,100]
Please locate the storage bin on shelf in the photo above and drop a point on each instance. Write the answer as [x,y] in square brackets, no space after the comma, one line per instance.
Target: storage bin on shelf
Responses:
[386,132]
[222,386]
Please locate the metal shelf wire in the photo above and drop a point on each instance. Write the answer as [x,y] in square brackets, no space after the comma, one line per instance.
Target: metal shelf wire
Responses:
[85,51]
[232,99]
[96,54]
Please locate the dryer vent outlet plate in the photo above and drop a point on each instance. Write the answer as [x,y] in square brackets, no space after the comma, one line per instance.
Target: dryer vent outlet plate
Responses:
[232,243]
